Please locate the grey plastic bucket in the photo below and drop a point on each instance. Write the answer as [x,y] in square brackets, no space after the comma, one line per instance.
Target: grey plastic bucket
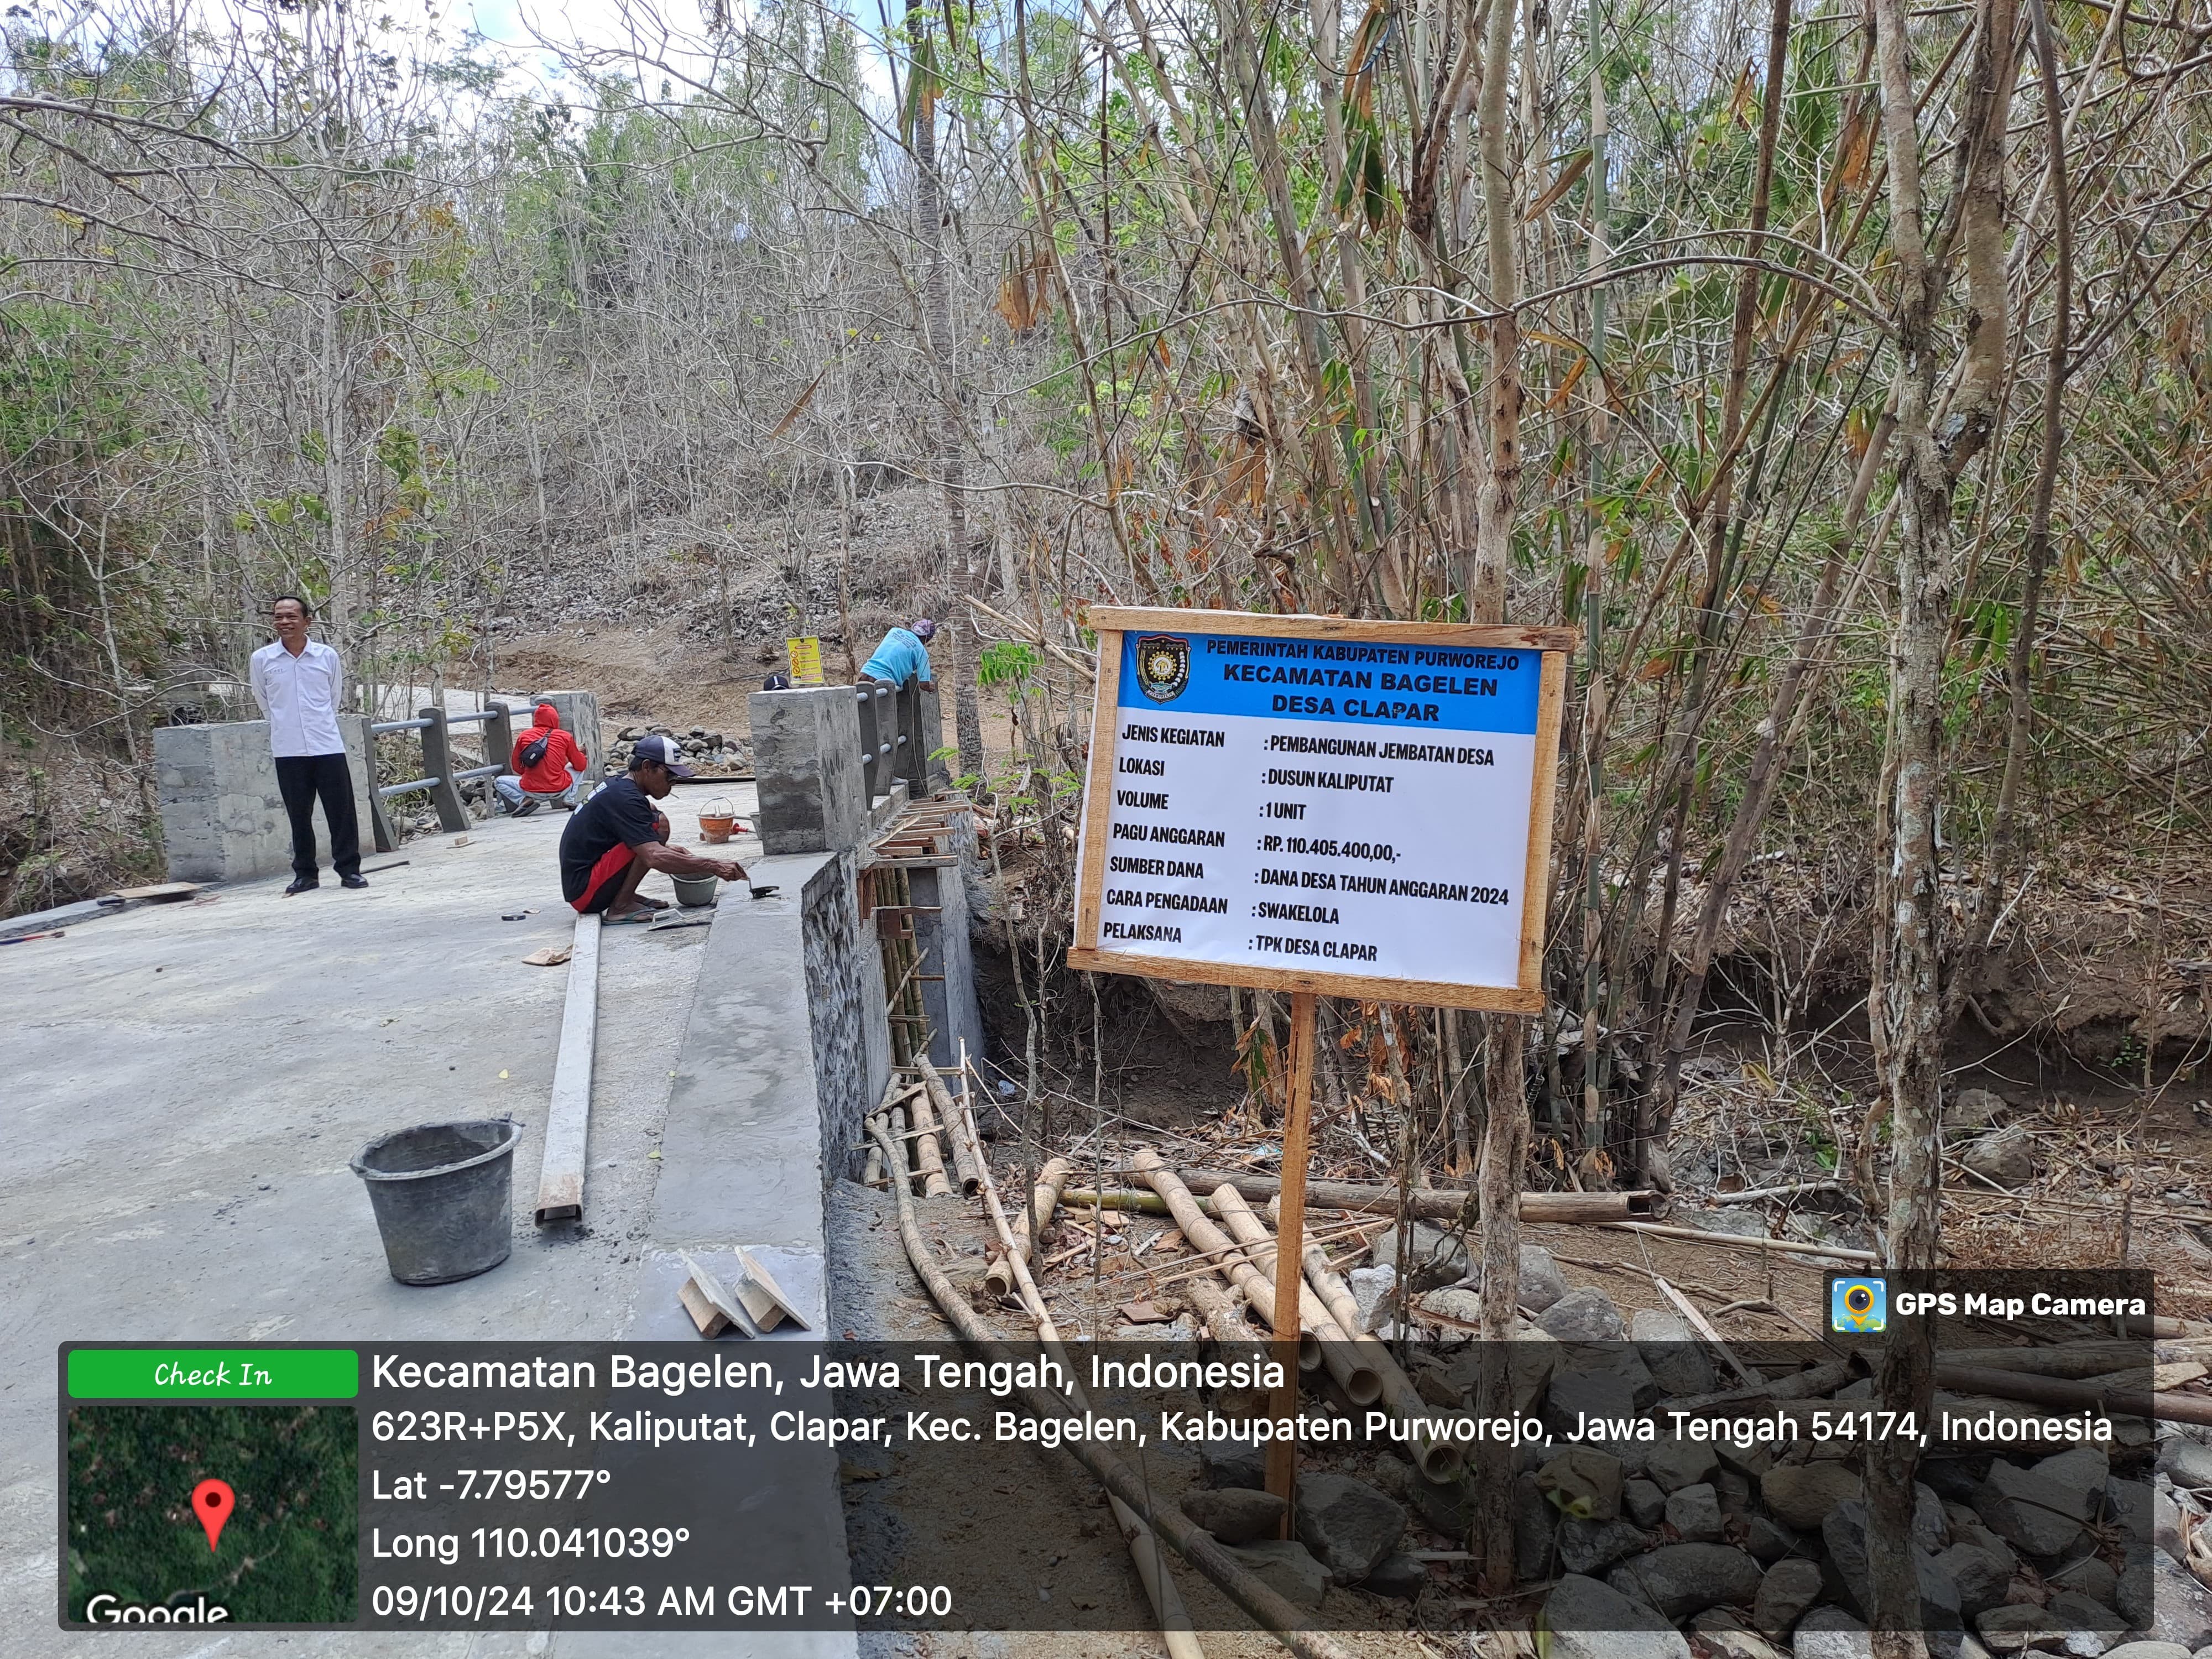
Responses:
[695,892]
[442,1193]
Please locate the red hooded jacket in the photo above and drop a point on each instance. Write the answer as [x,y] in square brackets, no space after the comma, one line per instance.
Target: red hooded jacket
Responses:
[550,776]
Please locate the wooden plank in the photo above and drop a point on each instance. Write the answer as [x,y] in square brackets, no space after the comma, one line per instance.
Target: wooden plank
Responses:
[569,1122]
[1493,999]
[717,1294]
[758,1287]
[1098,793]
[1252,624]
[1290,1245]
[711,1320]
[159,891]
[1536,883]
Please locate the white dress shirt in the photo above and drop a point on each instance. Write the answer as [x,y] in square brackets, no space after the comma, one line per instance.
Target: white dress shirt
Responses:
[298,697]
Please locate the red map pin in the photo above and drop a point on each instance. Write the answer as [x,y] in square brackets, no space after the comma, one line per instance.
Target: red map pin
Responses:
[213,1501]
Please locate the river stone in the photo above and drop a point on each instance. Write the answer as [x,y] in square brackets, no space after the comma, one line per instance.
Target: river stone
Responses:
[1541,1283]
[1448,1506]
[1236,1515]
[1398,1575]
[1286,1567]
[2160,1599]
[1786,1595]
[1982,1577]
[1801,1495]
[2074,1611]
[1645,1504]
[1438,1257]
[1581,1393]
[1586,1314]
[1347,1523]
[1590,1547]
[1974,1109]
[2082,1471]
[2186,1463]
[1534,1522]
[1370,1295]
[1931,1528]
[1463,1306]
[1845,1533]
[1233,1463]
[1771,1541]
[2016,1626]
[2005,1156]
[1584,1483]
[1673,1464]
[1585,1619]
[1830,1633]
[2148,1650]
[2089,1577]
[1670,1351]
[1694,1512]
[1681,1579]
[2037,1516]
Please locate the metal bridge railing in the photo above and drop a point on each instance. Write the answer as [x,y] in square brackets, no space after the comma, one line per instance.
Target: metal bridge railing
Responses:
[440,777]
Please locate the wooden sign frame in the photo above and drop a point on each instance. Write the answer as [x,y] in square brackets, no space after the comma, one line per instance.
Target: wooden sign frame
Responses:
[1525,998]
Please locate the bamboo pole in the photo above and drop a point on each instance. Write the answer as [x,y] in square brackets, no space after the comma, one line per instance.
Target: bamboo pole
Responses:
[928,1157]
[1283,1452]
[1211,1239]
[1352,1369]
[1432,1203]
[967,1157]
[1440,1460]
[1030,1225]
[1159,1585]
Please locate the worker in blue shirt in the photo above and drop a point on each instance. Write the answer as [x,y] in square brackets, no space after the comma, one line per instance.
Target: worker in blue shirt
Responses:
[902,656]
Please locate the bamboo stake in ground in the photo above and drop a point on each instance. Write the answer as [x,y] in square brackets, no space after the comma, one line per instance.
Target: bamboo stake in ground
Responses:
[1283,1452]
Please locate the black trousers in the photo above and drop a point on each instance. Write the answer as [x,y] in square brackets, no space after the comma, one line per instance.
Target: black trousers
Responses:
[303,778]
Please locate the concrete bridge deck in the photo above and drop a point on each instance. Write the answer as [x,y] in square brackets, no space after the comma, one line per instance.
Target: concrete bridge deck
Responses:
[187,1082]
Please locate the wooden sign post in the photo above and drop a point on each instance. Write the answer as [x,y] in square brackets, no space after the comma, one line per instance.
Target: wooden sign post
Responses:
[1325,807]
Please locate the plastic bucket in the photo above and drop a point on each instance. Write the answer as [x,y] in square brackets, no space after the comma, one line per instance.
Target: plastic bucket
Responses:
[442,1193]
[695,892]
[716,830]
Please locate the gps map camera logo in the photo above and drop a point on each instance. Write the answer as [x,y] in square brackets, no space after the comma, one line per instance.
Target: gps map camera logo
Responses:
[1163,666]
[1859,1307]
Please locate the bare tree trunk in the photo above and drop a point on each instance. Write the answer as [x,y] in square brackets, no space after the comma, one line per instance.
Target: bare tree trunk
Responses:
[961,642]
[1505,1128]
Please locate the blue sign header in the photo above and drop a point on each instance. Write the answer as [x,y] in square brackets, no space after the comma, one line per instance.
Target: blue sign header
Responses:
[1437,688]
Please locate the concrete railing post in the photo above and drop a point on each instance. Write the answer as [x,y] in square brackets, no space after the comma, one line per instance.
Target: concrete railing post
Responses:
[499,735]
[438,762]
[923,727]
[864,704]
[806,760]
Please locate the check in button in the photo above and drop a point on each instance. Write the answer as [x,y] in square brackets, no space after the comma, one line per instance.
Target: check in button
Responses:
[241,1373]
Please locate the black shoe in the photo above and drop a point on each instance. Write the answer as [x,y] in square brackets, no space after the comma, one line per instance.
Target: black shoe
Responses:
[301,885]
[526,809]
[353,881]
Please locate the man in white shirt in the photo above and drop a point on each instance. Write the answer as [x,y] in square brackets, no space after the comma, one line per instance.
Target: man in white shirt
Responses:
[297,681]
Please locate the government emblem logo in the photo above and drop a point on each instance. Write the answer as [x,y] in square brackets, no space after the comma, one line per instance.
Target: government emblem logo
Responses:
[1163,666]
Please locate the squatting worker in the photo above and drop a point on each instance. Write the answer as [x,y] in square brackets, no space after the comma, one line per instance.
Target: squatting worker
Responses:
[902,656]
[556,773]
[619,835]
[298,682]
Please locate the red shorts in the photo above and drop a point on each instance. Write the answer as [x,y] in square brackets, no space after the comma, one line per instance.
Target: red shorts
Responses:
[606,877]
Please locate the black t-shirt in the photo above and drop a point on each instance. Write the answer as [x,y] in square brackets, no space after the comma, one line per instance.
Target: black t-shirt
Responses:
[620,815]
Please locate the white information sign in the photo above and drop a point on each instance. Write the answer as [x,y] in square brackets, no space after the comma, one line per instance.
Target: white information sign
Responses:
[1355,808]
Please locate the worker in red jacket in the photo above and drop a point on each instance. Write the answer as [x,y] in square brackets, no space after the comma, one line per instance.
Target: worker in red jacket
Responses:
[541,766]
